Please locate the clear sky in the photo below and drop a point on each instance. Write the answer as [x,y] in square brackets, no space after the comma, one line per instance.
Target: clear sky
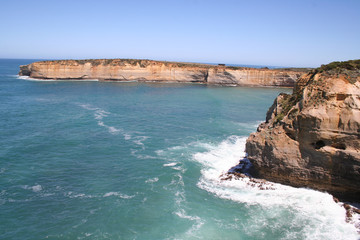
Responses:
[299,33]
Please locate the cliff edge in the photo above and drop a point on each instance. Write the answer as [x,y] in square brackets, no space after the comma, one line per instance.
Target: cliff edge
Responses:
[159,71]
[312,137]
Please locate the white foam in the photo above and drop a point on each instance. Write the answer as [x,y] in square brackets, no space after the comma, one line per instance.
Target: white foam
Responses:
[117,194]
[99,115]
[160,152]
[178,168]
[219,159]
[35,188]
[134,152]
[31,79]
[152,180]
[113,130]
[86,106]
[127,136]
[356,220]
[180,199]
[78,195]
[139,140]
[170,164]
[177,186]
[196,226]
[176,148]
[55,80]
[180,180]
[181,213]
[327,219]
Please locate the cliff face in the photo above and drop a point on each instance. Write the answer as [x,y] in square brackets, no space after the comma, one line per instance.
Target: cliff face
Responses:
[312,137]
[147,70]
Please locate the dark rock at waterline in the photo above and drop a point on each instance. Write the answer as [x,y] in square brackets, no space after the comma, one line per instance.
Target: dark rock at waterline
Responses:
[243,167]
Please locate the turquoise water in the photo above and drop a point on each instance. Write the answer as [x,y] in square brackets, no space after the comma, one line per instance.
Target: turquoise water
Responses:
[94,160]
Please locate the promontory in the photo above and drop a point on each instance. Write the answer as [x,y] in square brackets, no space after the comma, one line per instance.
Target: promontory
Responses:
[312,137]
[159,71]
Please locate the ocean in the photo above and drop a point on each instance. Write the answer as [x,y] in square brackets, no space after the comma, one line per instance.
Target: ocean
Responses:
[110,160]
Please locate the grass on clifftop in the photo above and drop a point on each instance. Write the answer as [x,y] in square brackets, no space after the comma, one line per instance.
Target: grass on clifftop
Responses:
[348,65]
[146,62]
[351,69]
[134,62]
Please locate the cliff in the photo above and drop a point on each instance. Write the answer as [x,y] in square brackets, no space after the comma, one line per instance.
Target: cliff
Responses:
[148,70]
[312,137]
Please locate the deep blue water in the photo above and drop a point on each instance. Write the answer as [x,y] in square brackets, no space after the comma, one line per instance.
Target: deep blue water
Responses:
[107,160]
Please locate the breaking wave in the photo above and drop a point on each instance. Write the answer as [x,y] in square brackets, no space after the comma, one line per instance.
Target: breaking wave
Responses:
[315,213]
[57,80]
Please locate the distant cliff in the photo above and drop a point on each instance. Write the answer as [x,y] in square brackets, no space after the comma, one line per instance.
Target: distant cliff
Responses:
[148,70]
[312,137]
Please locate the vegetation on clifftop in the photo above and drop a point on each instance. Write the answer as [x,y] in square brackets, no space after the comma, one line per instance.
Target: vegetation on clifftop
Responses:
[295,69]
[348,65]
[134,62]
[143,63]
[348,69]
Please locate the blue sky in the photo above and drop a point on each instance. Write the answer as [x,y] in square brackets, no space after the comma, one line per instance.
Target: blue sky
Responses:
[260,32]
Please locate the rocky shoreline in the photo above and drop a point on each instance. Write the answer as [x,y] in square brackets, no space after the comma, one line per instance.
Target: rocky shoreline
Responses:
[311,138]
[352,213]
[160,71]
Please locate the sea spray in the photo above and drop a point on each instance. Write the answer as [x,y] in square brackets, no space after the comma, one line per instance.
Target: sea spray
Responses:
[317,216]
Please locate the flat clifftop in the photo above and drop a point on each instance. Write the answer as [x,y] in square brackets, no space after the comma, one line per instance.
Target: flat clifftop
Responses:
[122,62]
[146,62]
[150,70]
[311,138]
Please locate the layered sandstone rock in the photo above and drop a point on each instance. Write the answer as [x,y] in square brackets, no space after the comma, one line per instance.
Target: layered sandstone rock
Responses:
[147,70]
[312,137]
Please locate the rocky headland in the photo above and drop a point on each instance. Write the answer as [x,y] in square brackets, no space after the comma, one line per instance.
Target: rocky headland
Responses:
[311,138]
[159,71]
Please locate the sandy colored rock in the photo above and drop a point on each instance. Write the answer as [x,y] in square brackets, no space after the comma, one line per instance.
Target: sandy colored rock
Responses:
[148,70]
[312,137]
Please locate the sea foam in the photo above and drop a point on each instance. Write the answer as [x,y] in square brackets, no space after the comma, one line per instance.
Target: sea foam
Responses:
[152,180]
[57,80]
[325,218]
[99,115]
[35,188]
[170,164]
[117,194]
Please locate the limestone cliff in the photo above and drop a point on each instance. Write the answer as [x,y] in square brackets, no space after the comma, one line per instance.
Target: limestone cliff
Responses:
[148,70]
[312,137]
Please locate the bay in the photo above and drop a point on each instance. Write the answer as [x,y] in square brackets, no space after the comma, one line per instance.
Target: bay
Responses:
[110,160]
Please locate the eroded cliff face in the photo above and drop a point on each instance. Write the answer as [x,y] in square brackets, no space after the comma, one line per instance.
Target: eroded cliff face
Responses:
[312,137]
[147,70]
